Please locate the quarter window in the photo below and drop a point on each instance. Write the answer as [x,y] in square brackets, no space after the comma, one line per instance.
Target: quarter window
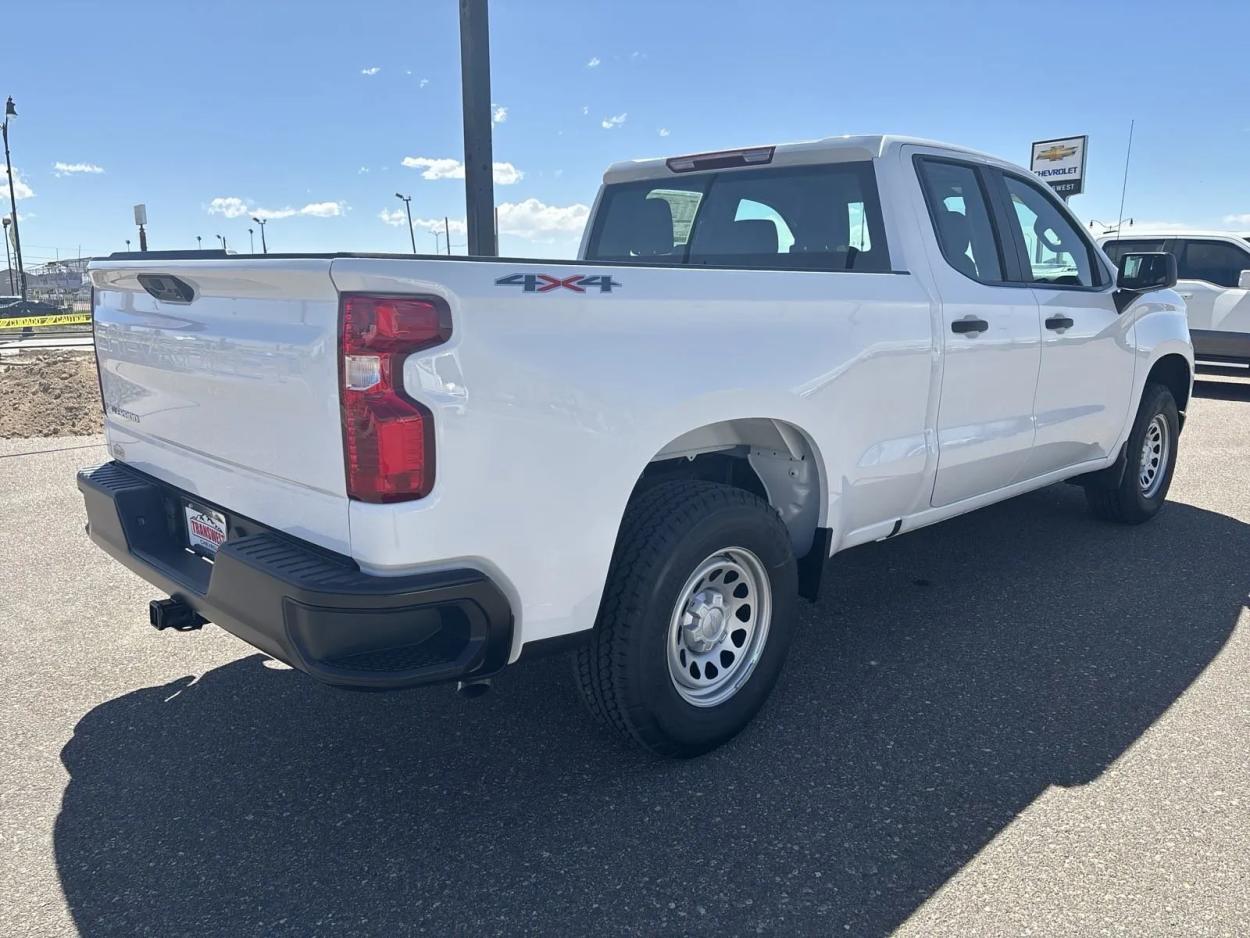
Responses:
[1057,253]
[961,219]
[1216,262]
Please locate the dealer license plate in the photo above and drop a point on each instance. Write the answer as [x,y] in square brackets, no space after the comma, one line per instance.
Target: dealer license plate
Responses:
[206,529]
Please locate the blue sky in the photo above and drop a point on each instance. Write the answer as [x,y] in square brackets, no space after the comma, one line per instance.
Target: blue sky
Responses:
[210,112]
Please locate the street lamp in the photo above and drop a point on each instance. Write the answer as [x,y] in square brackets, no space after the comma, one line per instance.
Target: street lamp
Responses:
[407,200]
[199,244]
[127,245]
[10,112]
[264,247]
[223,241]
[435,233]
[251,241]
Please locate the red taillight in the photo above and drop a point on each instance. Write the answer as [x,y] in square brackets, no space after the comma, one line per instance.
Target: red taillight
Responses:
[388,438]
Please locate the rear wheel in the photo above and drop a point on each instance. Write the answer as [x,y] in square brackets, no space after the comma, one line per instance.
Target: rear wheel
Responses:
[1151,457]
[696,618]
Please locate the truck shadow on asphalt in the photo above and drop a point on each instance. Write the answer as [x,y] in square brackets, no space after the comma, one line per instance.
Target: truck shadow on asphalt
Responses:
[1221,390]
[945,680]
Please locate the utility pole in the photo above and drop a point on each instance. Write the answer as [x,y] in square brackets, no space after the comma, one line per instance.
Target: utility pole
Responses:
[479,180]
[10,111]
[8,255]
[264,245]
[447,234]
[412,235]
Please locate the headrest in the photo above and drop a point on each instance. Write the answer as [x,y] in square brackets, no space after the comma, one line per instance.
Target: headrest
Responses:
[653,228]
[956,232]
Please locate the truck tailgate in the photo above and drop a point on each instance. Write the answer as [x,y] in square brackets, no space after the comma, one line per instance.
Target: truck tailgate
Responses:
[232,395]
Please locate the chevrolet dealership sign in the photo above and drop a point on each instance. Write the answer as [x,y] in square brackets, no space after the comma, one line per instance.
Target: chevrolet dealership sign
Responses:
[1061,164]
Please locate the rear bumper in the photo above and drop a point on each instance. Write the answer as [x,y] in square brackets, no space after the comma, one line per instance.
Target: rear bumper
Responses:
[313,609]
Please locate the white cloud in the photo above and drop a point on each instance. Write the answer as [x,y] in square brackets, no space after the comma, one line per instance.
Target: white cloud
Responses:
[69,169]
[664,131]
[230,206]
[609,122]
[20,189]
[371,70]
[446,168]
[423,82]
[407,71]
[594,62]
[362,170]
[532,218]
[1243,219]
[234,207]
[529,219]
[585,108]
[498,113]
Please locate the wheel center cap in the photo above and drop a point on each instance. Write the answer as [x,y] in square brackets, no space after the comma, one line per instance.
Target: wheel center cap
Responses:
[705,625]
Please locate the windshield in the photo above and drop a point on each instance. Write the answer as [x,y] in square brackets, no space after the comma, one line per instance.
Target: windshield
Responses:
[807,217]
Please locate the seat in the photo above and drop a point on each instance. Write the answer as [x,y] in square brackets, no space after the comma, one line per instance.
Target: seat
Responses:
[956,236]
[653,228]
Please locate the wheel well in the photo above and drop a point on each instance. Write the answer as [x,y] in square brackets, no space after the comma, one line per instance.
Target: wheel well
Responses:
[1172,371]
[769,458]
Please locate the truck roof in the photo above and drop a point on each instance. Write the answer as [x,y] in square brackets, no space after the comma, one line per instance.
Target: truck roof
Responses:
[1137,233]
[848,148]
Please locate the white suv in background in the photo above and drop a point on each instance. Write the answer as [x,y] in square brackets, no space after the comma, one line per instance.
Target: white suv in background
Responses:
[1213,277]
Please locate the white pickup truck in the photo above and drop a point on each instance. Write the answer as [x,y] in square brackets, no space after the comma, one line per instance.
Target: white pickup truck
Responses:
[396,470]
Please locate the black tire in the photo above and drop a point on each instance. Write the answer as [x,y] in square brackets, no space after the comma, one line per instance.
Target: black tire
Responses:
[623,673]
[1128,502]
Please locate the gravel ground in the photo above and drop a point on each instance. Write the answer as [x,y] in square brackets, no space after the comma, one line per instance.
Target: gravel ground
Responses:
[1022,721]
[49,394]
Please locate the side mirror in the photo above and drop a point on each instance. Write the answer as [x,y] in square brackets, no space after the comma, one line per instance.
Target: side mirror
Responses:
[1141,272]
[1243,280]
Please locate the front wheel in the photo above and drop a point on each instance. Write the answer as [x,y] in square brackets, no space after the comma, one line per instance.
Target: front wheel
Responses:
[1151,456]
[696,618]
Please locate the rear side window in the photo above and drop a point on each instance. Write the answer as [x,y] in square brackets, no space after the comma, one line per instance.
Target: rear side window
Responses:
[961,219]
[1216,262]
[801,218]
[1117,249]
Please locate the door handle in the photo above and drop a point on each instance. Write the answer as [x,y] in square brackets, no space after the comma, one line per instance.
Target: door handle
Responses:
[1059,322]
[969,325]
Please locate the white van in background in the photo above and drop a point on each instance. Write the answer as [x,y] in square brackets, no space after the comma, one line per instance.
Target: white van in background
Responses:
[1213,277]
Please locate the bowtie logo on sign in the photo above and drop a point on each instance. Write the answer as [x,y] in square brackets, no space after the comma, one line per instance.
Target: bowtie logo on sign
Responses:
[545,283]
[1056,153]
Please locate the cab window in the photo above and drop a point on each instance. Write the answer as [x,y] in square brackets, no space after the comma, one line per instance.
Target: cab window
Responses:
[960,214]
[1057,253]
[1216,262]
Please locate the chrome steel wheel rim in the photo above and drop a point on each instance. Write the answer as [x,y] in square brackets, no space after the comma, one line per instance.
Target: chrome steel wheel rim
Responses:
[1154,457]
[719,627]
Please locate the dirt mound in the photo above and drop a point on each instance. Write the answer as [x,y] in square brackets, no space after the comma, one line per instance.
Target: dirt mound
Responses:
[49,394]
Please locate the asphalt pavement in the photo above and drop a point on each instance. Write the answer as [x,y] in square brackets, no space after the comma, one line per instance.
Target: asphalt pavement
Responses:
[1021,721]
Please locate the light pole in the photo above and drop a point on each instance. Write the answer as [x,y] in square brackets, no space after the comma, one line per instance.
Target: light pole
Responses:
[127,245]
[407,200]
[7,254]
[435,233]
[9,112]
[199,244]
[264,247]
[251,241]
[223,241]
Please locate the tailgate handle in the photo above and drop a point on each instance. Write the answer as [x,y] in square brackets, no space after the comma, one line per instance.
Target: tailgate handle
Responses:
[167,288]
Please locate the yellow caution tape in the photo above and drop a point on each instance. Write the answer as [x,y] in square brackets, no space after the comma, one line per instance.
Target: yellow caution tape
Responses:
[54,319]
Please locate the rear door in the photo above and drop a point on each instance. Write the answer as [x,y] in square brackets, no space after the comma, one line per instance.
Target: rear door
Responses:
[1086,375]
[220,377]
[991,336]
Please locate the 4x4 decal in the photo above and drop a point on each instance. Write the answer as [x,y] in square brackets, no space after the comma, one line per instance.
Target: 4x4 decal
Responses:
[545,283]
